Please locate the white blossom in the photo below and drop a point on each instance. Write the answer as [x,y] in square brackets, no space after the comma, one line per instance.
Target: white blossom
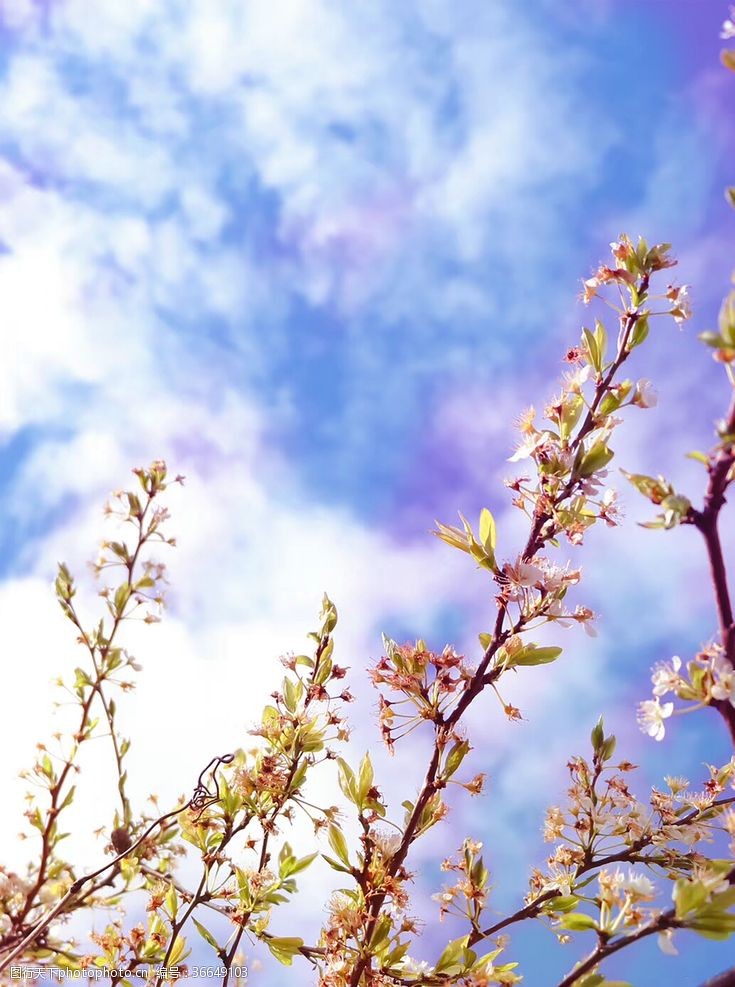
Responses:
[651,716]
[645,396]
[666,677]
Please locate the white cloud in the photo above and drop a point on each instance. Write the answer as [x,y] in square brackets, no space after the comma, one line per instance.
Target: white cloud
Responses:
[380,135]
[247,580]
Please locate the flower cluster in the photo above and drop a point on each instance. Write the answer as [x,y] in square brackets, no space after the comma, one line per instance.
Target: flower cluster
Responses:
[537,587]
[430,683]
[468,895]
[708,677]
[604,826]
[572,454]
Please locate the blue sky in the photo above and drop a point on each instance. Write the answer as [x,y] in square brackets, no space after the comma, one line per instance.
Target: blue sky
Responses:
[318,256]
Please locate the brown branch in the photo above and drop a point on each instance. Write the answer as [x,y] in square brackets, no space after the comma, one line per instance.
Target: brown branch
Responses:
[537,537]
[726,979]
[604,949]
[706,521]
[631,854]
[57,789]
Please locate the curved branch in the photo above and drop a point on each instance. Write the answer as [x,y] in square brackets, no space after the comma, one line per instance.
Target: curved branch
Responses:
[605,949]
[706,521]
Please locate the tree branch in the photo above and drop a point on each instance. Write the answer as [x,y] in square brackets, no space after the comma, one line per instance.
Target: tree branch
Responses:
[605,949]
[706,521]
[726,979]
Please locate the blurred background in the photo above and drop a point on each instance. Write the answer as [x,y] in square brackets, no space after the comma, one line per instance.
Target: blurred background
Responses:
[318,256]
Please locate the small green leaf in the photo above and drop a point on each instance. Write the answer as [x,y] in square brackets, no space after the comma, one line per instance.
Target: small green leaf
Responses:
[206,935]
[532,655]
[347,783]
[595,459]
[172,901]
[487,531]
[284,948]
[455,757]
[593,350]
[450,960]
[563,903]
[608,748]
[571,411]
[365,778]
[295,866]
[577,922]
[597,736]
[689,896]
[336,865]
[639,333]
[713,924]
[338,843]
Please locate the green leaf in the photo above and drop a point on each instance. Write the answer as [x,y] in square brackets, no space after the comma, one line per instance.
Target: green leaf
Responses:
[380,934]
[172,901]
[639,333]
[338,843]
[178,952]
[284,948]
[597,736]
[455,757]
[676,507]
[452,536]
[336,865]
[577,922]
[450,960]
[589,342]
[601,340]
[81,679]
[563,903]
[206,935]
[290,694]
[689,896]
[608,748]
[347,783]
[295,866]
[365,778]
[487,531]
[532,655]
[713,339]
[654,489]
[594,980]
[713,924]
[595,459]
[122,595]
[571,411]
